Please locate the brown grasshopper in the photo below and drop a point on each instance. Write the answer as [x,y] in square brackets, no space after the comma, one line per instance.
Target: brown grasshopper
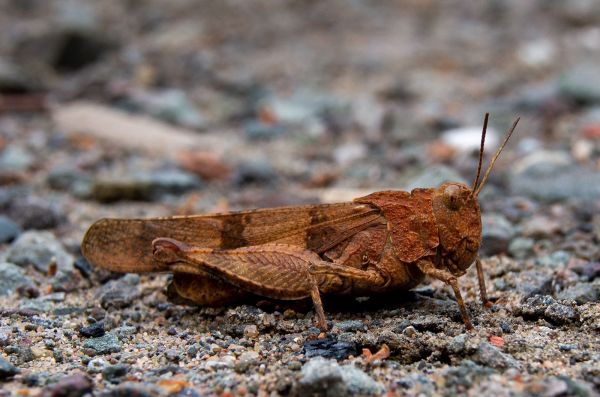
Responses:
[386,241]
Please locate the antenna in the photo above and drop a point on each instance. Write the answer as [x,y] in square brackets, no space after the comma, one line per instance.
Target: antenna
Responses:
[489,169]
[485,124]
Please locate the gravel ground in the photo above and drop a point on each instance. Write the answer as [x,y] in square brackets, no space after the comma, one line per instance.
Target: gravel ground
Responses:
[282,103]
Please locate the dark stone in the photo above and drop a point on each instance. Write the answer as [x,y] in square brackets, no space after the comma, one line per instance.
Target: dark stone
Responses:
[330,348]
[70,386]
[84,267]
[560,314]
[255,173]
[146,186]
[79,48]
[534,307]
[93,331]
[9,230]
[35,213]
[119,293]
[114,373]
[7,370]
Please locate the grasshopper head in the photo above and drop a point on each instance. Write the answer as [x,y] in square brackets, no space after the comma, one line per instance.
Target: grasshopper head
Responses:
[456,209]
[457,214]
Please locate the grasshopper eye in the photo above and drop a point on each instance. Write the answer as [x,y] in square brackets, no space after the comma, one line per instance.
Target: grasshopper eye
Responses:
[452,197]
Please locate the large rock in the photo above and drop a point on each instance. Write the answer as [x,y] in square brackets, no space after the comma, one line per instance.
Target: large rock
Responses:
[40,249]
[11,278]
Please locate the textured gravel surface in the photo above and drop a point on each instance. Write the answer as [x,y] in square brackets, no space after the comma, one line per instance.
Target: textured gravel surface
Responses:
[266,104]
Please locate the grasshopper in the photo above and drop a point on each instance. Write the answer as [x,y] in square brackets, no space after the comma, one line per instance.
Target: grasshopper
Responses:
[385,241]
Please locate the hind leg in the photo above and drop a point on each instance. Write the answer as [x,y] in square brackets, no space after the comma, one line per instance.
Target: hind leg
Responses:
[203,290]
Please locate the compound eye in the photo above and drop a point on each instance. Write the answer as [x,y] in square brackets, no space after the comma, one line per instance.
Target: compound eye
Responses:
[452,197]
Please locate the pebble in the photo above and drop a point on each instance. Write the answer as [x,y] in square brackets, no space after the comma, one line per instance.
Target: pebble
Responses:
[143,186]
[554,185]
[35,213]
[491,356]
[15,159]
[9,230]
[322,377]
[251,331]
[131,389]
[581,293]
[11,278]
[172,105]
[497,232]
[106,344]
[580,83]
[93,331]
[520,247]
[40,249]
[7,370]
[560,314]
[71,386]
[114,373]
[330,348]
[257,130]
[535,306]
[119,293]
[468,139]
[256,172]
[434,176]
[96,365]
[351,326]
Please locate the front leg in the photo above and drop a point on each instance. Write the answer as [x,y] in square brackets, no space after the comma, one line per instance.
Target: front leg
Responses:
[429,269]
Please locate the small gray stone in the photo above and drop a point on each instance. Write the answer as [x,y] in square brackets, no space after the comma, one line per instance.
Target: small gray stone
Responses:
[8,230]
[7,370]
[458,344]
[94,330]
[105,344]
[581,293]
[15,159]
[11,278]
[581,84]
[114,373]
[40,249]
[322,377]
[433,177]
[556,260]
[119,293]
[496,234]
[351,326]
[535,306]
[520,247]
[71,385]
[560,314]
[36,305]
[96,365]
[144,186]
[491,356]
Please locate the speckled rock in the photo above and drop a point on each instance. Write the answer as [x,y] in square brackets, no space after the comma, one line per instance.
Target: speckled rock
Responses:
[322,377]
[7,370]
[11,278]
[120,293]
[9,230]
[106,344]
[330,348]
[39,249]
[491,356]
[581,293]
[114,373]
[70,386]
[560,314]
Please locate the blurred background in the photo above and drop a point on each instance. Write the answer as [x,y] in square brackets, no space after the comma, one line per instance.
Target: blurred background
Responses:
[225,105]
